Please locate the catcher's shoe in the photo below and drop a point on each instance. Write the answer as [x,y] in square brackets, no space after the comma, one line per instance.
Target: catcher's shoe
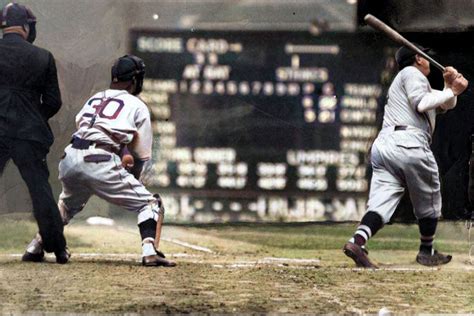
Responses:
[160,254]
[434,259]
[33,257]
[359,255]
[62,256]
[157,261]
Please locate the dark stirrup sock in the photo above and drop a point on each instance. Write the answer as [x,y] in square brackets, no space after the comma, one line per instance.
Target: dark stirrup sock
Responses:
[427,227]
[369,226]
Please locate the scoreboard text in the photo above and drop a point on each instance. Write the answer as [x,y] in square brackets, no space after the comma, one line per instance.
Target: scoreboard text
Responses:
[262,126]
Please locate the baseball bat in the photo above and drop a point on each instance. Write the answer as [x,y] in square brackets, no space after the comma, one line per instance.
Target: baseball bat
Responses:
[396,37]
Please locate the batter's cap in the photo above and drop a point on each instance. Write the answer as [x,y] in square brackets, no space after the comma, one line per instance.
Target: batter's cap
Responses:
[14,14]
[404,53]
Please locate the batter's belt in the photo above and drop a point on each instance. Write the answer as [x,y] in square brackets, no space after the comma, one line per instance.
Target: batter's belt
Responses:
[412,129]
[400,128]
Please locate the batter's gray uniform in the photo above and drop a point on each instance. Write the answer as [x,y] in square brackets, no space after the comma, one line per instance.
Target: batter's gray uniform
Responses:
[401,156]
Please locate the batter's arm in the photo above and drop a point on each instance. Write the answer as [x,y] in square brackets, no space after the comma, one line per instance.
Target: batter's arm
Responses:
[449,75]
[437,99]
[446,99]
[450,104]
[416,86]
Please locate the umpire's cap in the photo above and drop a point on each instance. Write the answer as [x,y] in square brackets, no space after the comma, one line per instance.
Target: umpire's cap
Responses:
[14,14]
[404,54]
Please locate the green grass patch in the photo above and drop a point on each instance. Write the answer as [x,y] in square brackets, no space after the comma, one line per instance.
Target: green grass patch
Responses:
[16,234]
[452,236]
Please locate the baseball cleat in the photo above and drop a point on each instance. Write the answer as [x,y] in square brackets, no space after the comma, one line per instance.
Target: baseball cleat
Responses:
[33,257]
[431,260]
[359,255]
[62,256]
[364,250]
[157,261]
[160,254]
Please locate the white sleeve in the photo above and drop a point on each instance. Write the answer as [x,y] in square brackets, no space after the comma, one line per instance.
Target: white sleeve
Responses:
[141,146]
[444,99]
[451,103]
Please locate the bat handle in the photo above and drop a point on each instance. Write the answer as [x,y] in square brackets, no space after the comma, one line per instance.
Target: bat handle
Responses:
[395,36]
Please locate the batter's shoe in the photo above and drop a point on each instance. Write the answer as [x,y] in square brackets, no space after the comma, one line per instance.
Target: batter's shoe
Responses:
[157,261]
[364,250]
[62,256]
[431,260]
[359,255]
[33,257]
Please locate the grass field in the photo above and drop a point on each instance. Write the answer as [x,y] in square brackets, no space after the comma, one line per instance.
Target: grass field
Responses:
[238,269]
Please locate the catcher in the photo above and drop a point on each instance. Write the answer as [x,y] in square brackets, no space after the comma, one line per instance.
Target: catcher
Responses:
[110,123]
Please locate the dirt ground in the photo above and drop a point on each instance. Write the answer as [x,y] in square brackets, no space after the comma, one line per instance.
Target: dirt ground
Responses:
[235,269]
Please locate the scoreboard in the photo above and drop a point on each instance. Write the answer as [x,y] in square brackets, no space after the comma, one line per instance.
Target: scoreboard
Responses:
[262,125]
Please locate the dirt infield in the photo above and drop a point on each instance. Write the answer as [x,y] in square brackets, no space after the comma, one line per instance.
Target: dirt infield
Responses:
[245,269]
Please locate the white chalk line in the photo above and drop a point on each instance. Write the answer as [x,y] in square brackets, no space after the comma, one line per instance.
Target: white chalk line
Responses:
[173,241]
[271,261]
[88,254]
[291,260]
[242,264]
[406,269]
[188,245]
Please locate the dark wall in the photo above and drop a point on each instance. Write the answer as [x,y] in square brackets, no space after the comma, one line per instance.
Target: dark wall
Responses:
[451,142]
[420,15]
[84,39]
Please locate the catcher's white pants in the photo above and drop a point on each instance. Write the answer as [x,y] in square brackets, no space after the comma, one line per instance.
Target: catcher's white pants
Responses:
[107,179]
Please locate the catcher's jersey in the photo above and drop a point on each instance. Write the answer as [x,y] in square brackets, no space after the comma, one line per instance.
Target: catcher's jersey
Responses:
[117,117]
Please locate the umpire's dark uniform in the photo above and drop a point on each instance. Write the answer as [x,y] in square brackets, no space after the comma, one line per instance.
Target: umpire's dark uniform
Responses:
[29,96]
[471,176]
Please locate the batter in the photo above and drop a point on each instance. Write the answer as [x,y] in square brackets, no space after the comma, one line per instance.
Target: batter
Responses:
[402,159]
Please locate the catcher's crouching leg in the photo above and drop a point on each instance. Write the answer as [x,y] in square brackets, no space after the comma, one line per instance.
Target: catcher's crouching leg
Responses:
[150,220]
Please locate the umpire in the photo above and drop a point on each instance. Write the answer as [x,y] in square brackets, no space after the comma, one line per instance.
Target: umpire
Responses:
[29,96]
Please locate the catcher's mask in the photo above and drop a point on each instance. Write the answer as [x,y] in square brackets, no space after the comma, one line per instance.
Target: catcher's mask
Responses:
[14,14]
[129,68]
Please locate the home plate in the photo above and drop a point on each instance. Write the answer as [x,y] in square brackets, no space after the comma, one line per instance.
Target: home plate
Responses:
[98,220]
